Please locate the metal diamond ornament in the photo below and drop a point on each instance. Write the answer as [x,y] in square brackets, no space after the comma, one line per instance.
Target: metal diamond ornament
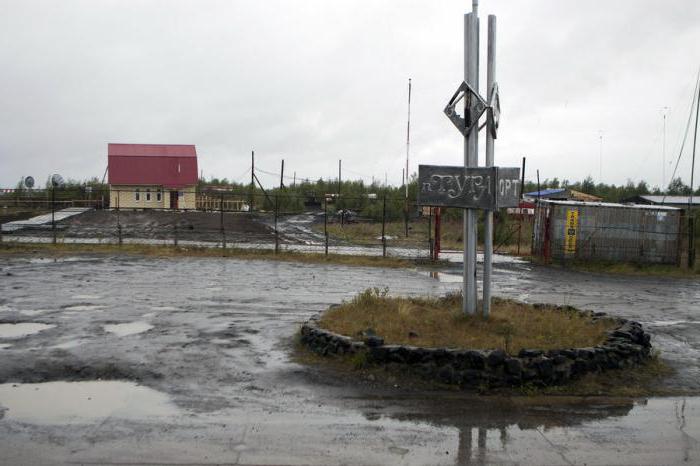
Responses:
[494,113]
[474,107]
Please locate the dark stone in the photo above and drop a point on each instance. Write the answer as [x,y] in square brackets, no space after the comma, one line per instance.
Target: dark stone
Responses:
[475,359]
[559,359]
[562,374]
[514,367]
[578,367]
[530,353]
[426,370]
[545,368]
[412,334]
[446,374]
[379,354]
[496,357]
[374,341]
[471,377]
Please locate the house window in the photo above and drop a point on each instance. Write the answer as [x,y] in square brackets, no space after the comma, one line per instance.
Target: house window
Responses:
[159,195]
[137,195]
[148,194]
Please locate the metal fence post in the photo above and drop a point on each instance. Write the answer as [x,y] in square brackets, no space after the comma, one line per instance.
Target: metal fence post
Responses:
[384,227]
[430,227]
[277,242]
[119,234]
[221,221]
[53,213]
[325,221]
[691,240]
[175,234]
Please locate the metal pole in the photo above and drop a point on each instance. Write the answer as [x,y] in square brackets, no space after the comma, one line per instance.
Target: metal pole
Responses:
[663,153]
[691,218]
[522,180]
[53,213]
[340,169]
[470,160]
[384,227]
[325,220]
[221,221]
[252,181]
[488,226]
[408,134]
[282,175]
[408,143]
[436,249]
[430,227]
[277,242]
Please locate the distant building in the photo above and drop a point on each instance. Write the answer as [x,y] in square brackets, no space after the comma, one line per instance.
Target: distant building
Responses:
[152,176]
[560,194]
[681,202]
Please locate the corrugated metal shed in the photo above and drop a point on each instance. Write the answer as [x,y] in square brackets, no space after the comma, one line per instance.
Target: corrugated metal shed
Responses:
[676,201]
[607,231]
[167,165]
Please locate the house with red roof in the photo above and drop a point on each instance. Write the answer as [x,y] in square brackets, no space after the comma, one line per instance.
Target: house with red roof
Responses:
[152,176]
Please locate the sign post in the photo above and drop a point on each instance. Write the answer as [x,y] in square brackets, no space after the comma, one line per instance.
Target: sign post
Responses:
[471,187]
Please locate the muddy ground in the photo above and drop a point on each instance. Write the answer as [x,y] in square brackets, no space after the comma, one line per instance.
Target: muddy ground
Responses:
[160,225]
[212,340]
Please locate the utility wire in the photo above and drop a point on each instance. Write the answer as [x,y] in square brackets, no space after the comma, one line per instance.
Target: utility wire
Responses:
[687,128]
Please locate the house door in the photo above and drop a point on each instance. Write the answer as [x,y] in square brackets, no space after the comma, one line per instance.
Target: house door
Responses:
[173,199]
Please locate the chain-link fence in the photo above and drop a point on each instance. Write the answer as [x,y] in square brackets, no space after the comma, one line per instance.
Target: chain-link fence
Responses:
[609,232]
[224,219]
[367,224]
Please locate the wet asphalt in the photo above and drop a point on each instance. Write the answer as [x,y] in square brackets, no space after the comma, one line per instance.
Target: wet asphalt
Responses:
[212,341]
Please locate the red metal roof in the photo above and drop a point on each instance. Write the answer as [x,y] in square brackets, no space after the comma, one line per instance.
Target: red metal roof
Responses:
[167,165]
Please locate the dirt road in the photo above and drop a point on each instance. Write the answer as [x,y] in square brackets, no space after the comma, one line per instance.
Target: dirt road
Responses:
[208,341]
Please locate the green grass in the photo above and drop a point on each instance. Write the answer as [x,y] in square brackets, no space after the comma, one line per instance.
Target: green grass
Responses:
[62,249]
[450,235]
[440,322]
[626,268]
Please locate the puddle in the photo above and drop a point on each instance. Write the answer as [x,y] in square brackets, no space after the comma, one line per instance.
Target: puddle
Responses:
[67,345]
[5,345]
[164,308]
[130,328]
[81,402]
[443,277]
[84,307]
[33,312]
[86,296]
[22,330]
[669,323]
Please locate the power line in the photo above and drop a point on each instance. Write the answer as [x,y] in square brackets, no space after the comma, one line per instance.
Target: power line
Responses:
[687,128]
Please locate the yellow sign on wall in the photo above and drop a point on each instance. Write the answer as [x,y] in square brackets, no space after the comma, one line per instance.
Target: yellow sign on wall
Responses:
[571,231]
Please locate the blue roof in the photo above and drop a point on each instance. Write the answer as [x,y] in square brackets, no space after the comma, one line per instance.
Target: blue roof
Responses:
[545,192]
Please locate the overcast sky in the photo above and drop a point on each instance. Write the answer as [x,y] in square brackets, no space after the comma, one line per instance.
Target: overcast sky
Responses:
[314,81]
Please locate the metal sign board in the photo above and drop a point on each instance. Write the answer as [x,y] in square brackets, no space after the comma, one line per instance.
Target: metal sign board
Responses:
[571,230]
[56,180]
[494,113]
[474,107]
[488,188]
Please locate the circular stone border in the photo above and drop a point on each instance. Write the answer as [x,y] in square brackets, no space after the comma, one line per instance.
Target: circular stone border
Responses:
[626,345]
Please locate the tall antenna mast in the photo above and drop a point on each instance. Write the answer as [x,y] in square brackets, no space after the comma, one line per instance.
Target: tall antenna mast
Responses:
[663,153]
[408,133]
